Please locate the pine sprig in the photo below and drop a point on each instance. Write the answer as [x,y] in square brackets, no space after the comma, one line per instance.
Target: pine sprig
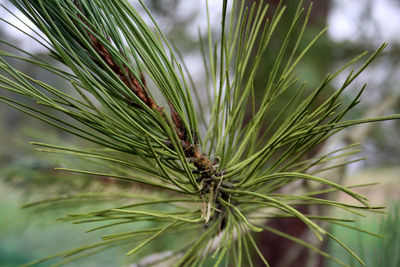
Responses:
[216,189]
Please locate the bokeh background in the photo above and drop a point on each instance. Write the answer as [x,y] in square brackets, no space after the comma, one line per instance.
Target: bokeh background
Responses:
[354,26]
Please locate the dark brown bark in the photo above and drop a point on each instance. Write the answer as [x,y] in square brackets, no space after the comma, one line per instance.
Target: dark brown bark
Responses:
[200,160]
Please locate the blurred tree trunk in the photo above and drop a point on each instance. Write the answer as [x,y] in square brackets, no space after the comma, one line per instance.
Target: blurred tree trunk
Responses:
[318,16]
[279,251]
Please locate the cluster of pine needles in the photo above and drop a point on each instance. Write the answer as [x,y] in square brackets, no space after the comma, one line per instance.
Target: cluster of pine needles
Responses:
[211,174]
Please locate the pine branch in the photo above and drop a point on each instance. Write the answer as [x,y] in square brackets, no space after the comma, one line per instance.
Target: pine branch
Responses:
[109,50]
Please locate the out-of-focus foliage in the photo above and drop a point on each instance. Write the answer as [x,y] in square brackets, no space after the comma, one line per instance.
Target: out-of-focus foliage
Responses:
[376,251]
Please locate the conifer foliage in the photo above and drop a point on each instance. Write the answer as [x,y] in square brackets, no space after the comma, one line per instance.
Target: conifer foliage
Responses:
[208,173]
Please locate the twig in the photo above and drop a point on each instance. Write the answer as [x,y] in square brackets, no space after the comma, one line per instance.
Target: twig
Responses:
[201,161]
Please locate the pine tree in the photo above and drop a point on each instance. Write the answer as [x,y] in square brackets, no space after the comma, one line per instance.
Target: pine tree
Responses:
[208,175]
